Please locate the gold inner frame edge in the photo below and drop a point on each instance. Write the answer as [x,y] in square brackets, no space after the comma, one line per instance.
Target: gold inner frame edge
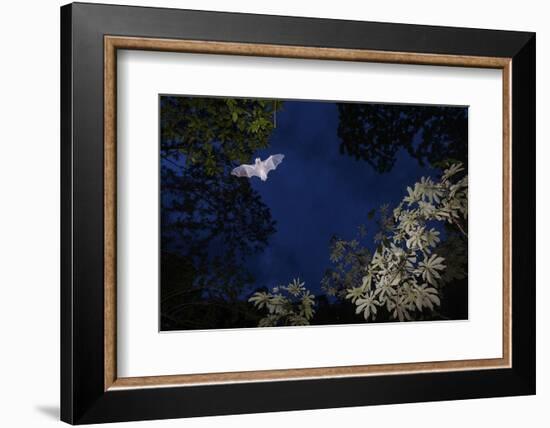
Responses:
[113,43]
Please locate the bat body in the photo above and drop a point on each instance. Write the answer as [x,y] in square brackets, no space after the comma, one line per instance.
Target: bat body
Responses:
[260,168]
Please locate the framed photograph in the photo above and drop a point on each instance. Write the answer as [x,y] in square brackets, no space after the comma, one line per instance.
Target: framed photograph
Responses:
[266,213]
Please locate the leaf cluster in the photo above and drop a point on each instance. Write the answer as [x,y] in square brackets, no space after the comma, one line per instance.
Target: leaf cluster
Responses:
[349,259]
[406,273]
[376,133]
[198,126]
[292,304]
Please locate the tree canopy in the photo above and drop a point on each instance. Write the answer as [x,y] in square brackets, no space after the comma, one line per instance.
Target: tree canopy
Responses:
[215,132]
[210,221]
[376,132]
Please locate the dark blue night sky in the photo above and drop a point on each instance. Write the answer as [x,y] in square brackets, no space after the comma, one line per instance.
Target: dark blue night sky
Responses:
[317,192]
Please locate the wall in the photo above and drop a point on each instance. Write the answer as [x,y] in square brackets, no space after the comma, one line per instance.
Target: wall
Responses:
[29,230]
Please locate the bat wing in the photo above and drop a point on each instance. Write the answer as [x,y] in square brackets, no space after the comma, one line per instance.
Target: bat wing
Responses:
[245,171]
[272,162]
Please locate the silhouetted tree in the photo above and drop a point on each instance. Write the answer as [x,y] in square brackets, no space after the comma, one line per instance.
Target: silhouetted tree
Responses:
[213,132]
[376,132]
[210,220]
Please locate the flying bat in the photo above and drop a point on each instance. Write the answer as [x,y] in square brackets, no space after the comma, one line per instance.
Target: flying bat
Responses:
[260,168]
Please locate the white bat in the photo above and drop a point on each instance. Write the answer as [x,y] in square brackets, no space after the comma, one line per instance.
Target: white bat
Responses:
[260,168]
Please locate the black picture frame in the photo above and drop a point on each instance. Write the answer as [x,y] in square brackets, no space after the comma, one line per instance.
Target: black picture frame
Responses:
[83,396]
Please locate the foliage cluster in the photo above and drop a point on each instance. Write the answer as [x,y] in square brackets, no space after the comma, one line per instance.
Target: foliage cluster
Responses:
[287,305]
[213,132]
[406,272]
[210,222]
[376,133]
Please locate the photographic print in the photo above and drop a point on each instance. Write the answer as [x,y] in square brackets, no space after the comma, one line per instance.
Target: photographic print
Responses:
[299,213]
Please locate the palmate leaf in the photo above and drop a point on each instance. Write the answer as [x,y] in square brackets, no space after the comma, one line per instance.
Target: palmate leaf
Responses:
[452,170]
[428,190]
[354,293]
[429,268]
[260,299]
[431,237]
[308,302]
[276,304]
[426,296]
[268,321]
[367,306]
[384,292]
[400,309]
[413,195]
[295,287]
[297,320]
